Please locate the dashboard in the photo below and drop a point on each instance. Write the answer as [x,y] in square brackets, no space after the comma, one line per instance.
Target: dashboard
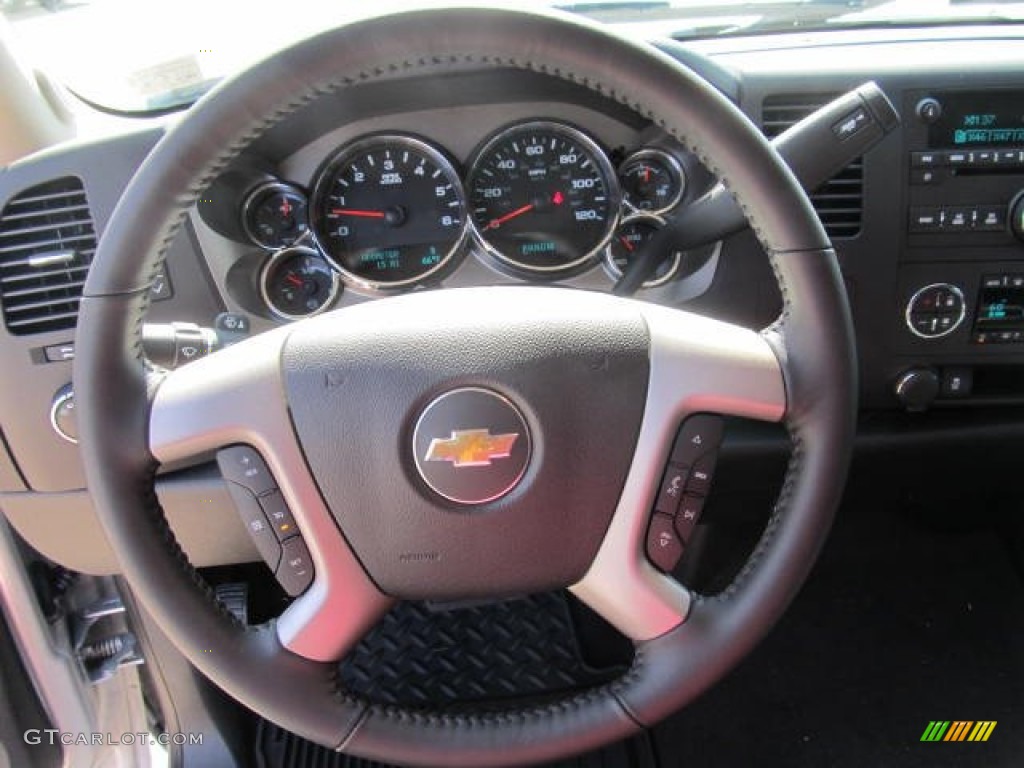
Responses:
[529,192]
[511,177]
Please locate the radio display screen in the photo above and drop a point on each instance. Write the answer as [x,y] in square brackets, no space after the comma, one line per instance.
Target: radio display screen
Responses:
[973,119]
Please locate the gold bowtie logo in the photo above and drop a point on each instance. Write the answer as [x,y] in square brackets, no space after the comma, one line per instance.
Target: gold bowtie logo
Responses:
[471,448]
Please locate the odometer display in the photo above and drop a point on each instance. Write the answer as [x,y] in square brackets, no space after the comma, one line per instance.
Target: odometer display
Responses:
[544,198]
[389,211]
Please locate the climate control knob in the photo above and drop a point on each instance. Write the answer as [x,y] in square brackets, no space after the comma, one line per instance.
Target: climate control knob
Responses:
[935,311]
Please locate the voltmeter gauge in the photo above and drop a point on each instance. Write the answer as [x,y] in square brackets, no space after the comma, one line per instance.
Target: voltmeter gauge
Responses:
[652,181]
[630,237]
[274,215]
[297,283]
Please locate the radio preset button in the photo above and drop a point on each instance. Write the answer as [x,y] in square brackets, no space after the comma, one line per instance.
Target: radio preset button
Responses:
[927,159]
[957,218]
[990,218]
[925,219]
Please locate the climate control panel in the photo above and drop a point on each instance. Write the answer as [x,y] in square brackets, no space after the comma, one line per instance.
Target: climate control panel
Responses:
[935,311]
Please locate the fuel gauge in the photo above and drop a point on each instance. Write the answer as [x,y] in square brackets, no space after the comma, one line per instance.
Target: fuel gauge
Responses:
[274,215]
[297,283]
[652,181]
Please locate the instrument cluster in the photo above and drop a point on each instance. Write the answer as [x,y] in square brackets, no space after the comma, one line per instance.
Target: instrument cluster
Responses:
[540,200]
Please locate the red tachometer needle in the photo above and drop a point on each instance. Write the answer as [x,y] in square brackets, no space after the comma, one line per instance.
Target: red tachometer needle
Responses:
[508,216]
[294,280]
[629,245]
[358,212]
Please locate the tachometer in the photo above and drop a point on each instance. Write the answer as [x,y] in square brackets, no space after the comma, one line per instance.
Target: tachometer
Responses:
[389,211]
[544,198]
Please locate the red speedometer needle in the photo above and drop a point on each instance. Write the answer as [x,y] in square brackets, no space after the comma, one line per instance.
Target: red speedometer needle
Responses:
[358,212]
[629,245]
[509,216]
[294,280]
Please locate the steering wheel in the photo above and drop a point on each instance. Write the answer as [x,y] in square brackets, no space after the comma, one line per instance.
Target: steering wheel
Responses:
[336,406]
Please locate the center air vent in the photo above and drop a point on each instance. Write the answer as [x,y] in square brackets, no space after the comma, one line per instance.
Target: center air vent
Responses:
[839,201]
[47,240]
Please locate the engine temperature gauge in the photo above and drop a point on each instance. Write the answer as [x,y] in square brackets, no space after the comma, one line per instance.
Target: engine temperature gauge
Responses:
[652,181]
[274,215]
[297,283]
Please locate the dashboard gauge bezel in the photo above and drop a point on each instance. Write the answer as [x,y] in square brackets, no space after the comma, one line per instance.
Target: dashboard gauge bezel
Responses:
[613,269]
[613,192]
[274,260]
[249,203]
[674,167]
[325,177]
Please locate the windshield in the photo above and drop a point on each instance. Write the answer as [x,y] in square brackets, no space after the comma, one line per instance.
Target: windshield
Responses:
[145,56]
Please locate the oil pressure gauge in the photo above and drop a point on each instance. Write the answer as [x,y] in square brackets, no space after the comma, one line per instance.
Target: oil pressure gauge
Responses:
[297,283]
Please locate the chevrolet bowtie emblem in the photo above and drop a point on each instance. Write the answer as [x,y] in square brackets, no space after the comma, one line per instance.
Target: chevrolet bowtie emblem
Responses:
[471,448]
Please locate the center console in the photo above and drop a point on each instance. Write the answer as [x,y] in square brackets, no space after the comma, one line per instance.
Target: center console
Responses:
[960,336]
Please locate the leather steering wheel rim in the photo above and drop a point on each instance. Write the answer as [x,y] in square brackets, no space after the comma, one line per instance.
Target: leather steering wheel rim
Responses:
[115,387]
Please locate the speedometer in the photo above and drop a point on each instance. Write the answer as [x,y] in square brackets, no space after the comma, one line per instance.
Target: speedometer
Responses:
[389,212]
[544,198]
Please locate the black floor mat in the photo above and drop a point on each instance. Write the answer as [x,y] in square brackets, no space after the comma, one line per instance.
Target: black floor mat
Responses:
[279,749]
[898,626]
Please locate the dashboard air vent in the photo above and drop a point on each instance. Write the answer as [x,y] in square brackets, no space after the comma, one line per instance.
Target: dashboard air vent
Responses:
[840,201]
[47,241]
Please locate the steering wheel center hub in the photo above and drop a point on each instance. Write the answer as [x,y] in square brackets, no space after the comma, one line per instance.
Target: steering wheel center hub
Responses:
[448,448]
[471,445]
